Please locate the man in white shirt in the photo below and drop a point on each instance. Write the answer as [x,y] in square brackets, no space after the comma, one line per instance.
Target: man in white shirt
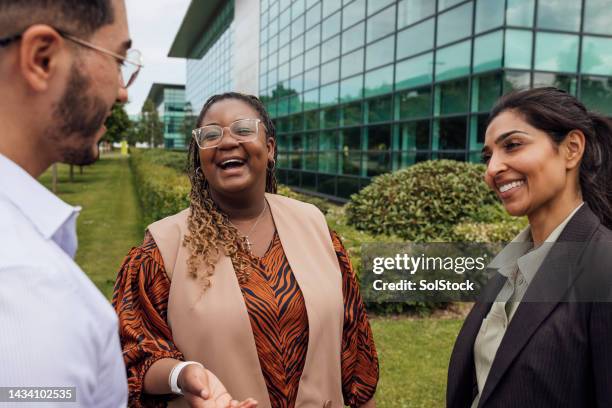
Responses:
[60,75]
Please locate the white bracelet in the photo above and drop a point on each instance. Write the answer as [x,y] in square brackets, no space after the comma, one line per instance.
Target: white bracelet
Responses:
[174,375]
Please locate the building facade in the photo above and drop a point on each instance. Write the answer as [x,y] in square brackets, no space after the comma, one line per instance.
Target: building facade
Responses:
[363,87]
[170,102]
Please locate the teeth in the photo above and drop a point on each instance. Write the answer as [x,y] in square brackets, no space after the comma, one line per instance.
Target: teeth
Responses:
[511,185]
[225,163]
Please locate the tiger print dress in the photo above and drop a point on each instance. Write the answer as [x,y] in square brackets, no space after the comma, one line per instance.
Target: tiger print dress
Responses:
[278,318]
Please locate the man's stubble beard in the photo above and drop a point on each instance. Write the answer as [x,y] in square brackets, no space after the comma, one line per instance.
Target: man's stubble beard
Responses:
[79,117]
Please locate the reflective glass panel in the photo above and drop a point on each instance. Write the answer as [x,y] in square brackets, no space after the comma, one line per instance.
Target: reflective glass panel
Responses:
[488,50]
[331,26]
[297,8]
[311,78]
[411,11]
[381,24]
[380,52]
[596,94]
[452,133]
[375,5]
[489,14]
[559,14]
[453,61]
[444,4]
[311,120]
[379,81]
[415,103]
[329,94]
[297,27]
[351,137]
[353,38]
[379,109]
[413,135]
[596,55]
[329,118]
[353,13]
[518,49]
[313,16]
[311,58]
[486,89]
[520,13]
[329,6]
[313,36]
[565,82]
[597,17]
[556,52]
[297,46]
[451,97]
[351,88]
[455,24]
[347,186]
[415,39]
[351,114]
[378,137]
[352,63]
[330,49]
[414,71]
[514,80]
[330,71]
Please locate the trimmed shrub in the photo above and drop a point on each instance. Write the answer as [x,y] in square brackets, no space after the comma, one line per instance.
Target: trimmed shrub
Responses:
[503,231]
[423,202]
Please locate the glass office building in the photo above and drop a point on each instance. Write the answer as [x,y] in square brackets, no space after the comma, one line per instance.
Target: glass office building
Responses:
[169,100]
[363,87]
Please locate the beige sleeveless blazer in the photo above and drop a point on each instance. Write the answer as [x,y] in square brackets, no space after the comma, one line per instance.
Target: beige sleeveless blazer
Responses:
[214,327]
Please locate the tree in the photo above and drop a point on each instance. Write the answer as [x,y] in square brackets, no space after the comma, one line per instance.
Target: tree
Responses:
[150,127]
[189,123]
[118,125]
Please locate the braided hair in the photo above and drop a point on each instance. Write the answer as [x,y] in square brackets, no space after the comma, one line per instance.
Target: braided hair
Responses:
[210,233]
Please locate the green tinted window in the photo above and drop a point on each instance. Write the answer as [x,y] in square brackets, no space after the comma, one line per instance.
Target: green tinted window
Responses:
[311,99]
[375,5]
[329,117]
[330,49]
[413,135]
[596,94]
[352,63]
[453,61]
[312,57]
[351,138]
[379,109]
[444,4]
[313,37]
[311,78]
[297,65]
[451,97]
[518,49]
[414,104]
[351,88]
[414,71]
[313,16]
[351,114]
[353,13]
[380,53]
[514,80]
[556,52]
[565,82]
[330,71]
[415,39]
[597,17]
[486,89]
[489,14]
[331,26]
[297,8]
[379,81]
[455,24]
[329,94]
[381,24]
[353,38]
[297,27]
[559,15]
[520,13]
[297,46]
[311,120]
[452,133]
[329,6]
[596,55]
[488,51]
[410,11]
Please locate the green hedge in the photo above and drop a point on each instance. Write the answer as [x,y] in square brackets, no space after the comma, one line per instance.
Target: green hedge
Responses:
[423,202]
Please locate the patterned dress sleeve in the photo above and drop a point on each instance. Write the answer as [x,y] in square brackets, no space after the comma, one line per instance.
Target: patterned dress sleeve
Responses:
[359,357]
[140,299]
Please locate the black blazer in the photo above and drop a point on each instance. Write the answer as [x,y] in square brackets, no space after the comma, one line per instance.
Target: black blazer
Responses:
[555,353]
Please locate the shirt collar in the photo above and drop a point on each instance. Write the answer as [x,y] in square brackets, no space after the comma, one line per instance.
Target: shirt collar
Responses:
[519,254]
[44,209]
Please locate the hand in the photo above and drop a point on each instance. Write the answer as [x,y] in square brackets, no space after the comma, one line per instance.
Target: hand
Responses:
[202,389]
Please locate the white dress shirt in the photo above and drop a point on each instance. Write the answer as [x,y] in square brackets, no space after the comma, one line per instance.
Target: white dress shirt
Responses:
[56,328]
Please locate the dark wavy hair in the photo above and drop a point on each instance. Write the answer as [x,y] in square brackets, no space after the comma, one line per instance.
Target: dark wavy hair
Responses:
[210,231]
[77,17]
[557,113]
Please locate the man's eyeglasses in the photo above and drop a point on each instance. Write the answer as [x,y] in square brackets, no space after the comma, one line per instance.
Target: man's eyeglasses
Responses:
[130,64]
[243,130]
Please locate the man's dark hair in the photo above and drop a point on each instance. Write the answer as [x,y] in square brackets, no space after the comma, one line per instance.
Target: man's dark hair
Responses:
[81,18]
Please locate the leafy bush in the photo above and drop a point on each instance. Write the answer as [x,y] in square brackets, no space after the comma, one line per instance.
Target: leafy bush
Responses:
[161,189]
[502,231]
[423,202]
[168,158]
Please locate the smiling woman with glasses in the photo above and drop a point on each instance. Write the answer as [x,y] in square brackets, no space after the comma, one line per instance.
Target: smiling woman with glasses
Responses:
[245,286]
[130,64]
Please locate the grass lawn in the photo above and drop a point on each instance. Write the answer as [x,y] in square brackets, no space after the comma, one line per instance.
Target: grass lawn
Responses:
[413,353]
[110,222]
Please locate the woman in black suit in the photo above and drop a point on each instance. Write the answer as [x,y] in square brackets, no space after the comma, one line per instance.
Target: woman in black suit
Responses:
[540,336]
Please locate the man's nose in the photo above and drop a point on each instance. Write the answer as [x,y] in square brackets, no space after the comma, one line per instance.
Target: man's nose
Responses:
[122,95]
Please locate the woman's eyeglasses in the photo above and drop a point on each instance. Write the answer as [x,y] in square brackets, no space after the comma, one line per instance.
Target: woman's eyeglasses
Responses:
[210,136]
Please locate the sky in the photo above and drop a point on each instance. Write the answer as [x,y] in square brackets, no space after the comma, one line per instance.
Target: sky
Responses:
[153,26]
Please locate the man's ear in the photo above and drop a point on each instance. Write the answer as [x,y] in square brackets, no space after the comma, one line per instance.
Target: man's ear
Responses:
[40,50]
[573,147]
